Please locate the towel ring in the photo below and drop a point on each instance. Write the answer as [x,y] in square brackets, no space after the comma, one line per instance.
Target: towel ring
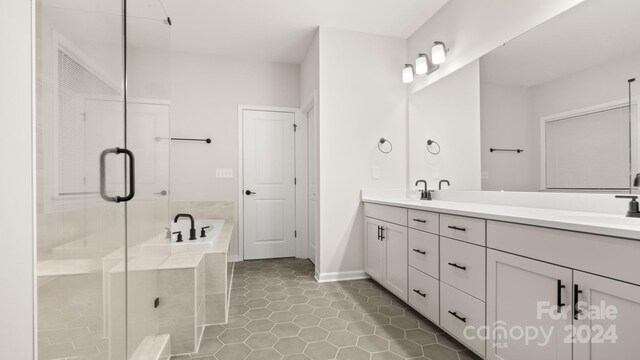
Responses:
[431,142]
[382,142]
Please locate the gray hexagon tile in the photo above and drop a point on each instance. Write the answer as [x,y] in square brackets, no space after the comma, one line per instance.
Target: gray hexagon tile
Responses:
[279,312]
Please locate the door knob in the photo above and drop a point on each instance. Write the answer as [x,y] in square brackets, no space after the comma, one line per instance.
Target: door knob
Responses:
[249,192]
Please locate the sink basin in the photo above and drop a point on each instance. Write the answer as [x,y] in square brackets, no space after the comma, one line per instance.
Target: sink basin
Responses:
[604,220]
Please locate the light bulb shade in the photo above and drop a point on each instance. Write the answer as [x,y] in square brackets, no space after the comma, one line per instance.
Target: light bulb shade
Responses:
[422,64]
[407,74]
[438,52]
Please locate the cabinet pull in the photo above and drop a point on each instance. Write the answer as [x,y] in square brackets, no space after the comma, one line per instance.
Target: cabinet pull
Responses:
[463,319]
[457,228]
[420,221]
[559,300]
[458,266]
[382,229]
[424,295]
[576,311]
[379,233]
[420,251]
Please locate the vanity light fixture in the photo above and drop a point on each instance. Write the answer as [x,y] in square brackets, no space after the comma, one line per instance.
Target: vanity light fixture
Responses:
[407,73]
[422,64]
[439,52]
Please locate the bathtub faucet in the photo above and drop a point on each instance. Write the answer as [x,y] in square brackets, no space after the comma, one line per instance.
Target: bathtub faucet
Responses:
[192,231]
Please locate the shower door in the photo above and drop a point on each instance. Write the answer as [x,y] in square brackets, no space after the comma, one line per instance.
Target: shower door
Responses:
[102,122]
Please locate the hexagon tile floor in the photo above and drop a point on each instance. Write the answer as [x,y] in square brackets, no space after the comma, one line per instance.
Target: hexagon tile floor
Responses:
[278,311]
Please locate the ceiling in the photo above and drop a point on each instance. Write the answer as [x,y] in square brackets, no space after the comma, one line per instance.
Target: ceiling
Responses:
[591,34]
[281,30]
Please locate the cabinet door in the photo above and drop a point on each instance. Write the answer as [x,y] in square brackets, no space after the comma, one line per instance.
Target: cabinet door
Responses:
[374,249]
[395,259]
[516,288]
[602,336]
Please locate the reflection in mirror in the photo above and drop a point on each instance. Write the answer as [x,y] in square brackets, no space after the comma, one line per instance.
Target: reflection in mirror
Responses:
[560,93]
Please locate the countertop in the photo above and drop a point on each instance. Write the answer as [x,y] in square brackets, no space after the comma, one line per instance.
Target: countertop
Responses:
[586,222]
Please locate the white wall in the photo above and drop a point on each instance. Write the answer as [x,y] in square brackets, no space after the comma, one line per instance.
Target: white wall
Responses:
[16,186]
[506,123]
[472,28]
[205,93]
[362,99]
[310,71]
[447,112]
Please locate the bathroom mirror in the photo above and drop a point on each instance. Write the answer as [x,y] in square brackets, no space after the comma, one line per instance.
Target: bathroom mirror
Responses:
[547,111]
[560,93]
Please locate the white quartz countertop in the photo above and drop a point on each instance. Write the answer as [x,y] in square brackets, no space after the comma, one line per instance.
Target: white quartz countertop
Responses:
[587,222]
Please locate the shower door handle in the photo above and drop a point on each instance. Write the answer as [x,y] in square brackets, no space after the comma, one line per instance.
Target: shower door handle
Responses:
[132,175]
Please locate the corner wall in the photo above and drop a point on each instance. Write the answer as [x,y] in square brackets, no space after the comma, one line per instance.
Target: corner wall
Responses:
[362,100]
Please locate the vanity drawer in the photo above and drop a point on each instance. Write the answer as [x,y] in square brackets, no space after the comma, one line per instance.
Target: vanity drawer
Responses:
[394,215]
[424,294]
[423,252]
[424,220]
[463,266]
[460,310]
[463,228]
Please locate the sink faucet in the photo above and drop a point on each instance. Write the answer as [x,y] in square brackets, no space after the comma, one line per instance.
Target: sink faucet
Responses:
[441,182]
[424,194]
[192,231]
[634,210]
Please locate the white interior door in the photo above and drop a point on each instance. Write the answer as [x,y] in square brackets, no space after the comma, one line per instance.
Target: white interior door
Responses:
[312,188]
[269,189]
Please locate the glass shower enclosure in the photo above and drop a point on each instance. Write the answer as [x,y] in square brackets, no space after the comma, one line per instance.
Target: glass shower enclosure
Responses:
[102,139]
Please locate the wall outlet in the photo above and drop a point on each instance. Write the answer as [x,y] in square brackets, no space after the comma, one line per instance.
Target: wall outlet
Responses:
[224,173]
[485,175]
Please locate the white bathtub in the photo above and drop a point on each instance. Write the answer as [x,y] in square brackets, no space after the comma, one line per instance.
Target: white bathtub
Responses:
[184,225]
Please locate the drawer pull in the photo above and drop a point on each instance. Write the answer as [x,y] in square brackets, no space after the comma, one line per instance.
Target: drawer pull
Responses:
[463,319]
[457,228]
[420,221]
[458,266]
[424,295]
[420,251]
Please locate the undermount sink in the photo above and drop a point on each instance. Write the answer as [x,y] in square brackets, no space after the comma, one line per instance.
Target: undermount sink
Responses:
[604,220]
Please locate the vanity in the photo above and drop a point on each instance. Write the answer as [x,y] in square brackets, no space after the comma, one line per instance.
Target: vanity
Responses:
[511,282]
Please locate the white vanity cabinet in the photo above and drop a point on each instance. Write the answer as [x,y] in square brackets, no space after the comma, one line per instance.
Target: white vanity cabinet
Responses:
[497,286]
[516,287]
[374,249]
[623,326]
[386,244]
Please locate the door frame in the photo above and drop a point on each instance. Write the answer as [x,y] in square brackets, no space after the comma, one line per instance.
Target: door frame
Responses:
[310,103]
[300,169]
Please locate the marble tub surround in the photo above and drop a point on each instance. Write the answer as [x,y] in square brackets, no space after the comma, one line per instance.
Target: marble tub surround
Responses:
[181,302]
[524,208]
[205,209]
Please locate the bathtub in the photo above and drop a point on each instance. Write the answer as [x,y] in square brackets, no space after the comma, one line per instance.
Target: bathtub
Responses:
[183,224]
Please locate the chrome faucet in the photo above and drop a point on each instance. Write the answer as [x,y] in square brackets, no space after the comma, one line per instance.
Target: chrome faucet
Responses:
[192,231]
[424,194]
[441,182]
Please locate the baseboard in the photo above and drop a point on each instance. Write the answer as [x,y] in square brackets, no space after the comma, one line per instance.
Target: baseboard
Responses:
[341,276]
[234,258]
